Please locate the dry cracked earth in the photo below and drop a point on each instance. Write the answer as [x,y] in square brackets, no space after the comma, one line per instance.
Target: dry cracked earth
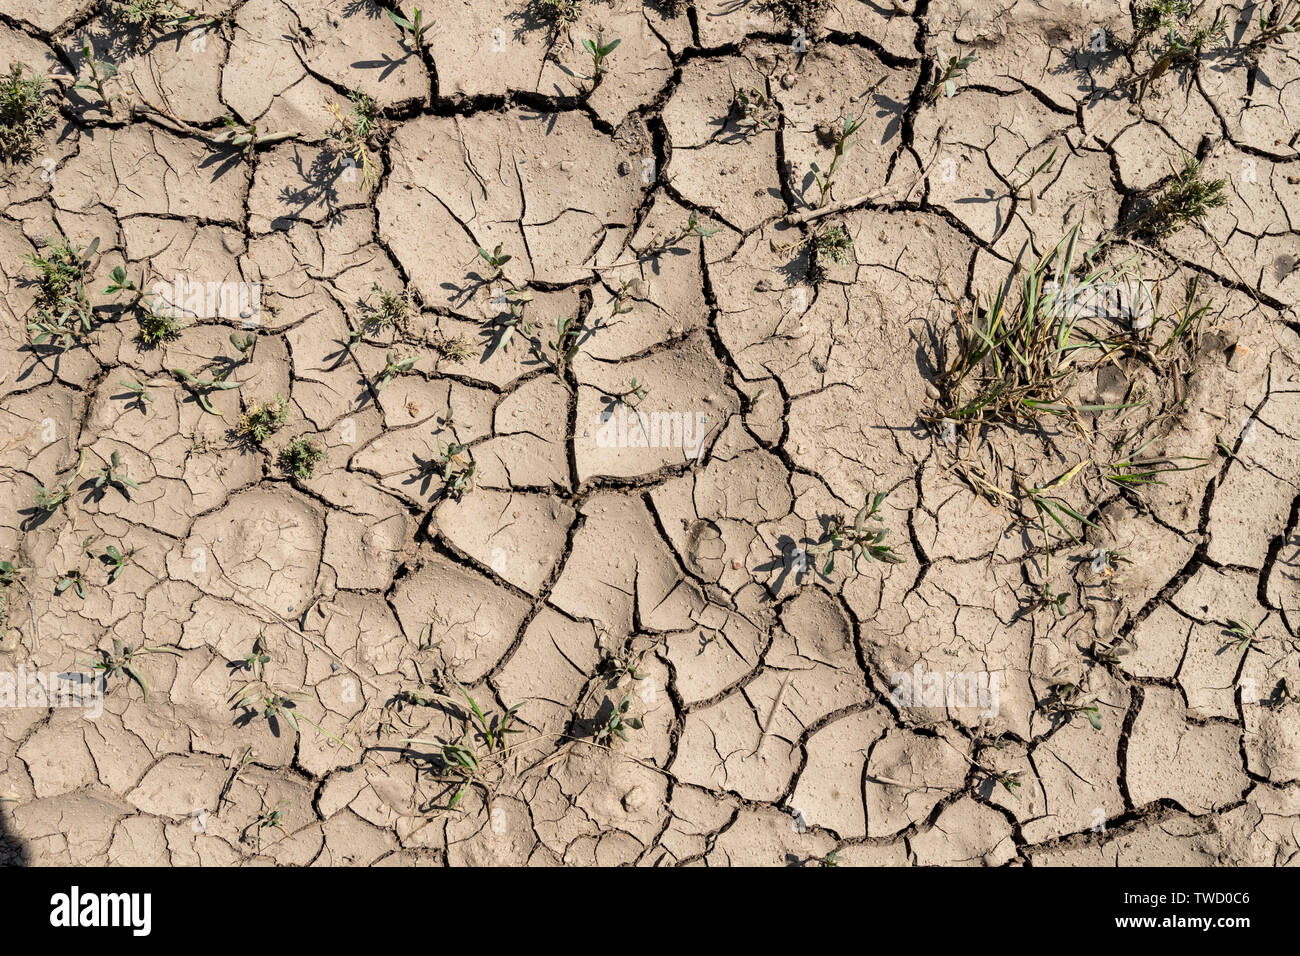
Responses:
[497,523]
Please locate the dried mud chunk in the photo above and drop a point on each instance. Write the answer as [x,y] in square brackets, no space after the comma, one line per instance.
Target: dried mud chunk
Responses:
[178,785]
[829,794]
[965,834]
[263,546]
[470,621]
[57,756]
[907,776]
[549,669]
[768,837]
[1196,765]
[70,830]
[721,748]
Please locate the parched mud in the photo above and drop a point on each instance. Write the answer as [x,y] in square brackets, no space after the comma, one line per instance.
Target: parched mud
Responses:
[643,534]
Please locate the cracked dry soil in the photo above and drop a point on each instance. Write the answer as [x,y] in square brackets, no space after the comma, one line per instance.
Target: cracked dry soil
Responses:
[650,548]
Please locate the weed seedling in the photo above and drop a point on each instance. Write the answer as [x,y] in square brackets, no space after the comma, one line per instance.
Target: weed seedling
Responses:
[945,81]
[274,706]
[263,420]
[598,51]
[99,72]
[1064,700]
[1187,198]
[1242,636]
[559,12]
[1282,20]
[49,499]
[268,819]
[353,131]
[415,26]
[116,559]
[833,244]
[831,859]
[755,111]
[1282,695]
[384,310]
[394,366]
[245,136]
[858,538]
[495,260]
[200,385]
[300,457]
[70,579]
[617,724]
[122,661]
[25,113]
[255,661]
[1023,189]
[825,181]
[456,349]
[114,475]
[634,391]
[156,327]
[457,469]
[63,311]
[155,16]
[1133,470]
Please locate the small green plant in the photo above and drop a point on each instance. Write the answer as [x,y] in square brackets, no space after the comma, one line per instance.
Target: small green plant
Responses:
[457,469]
[1181,40]
[1282,695]
[755,111]
[691,227]
[116,559]
[842,145]
[946,76]
[617,724]
[25,113]
[833,244]
[1023,190]
[155,16]
[456,349]
[274,706]
[559,12]
[300,457]
[246,138]
[634,391]
[122,662]
[99,72]
[70,580]
[113,475]
[1065,700]
[156,327]
[858,538]
[599,51]
[353,131]
[267,819]
[199,385]
[495,260]
[415,26]
[831,859]
[568,339]
[383,310]
[121,283]
[263,420]
[63,311]
[1188,198]
[1135,470]
[1283,19]
[1242,636]
[255,661]
[394,366]
[49,499]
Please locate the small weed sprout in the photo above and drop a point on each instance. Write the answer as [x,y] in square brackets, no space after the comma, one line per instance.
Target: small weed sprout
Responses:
[272,819]
[457,469]
[414,26]
[394,366]
[832,244]
[263,420]
[49,499]
[257,659]
[25,113]
[300,457]
[383,310]
[353,131]
[63,311]
[1023,190]
[199,385]
[755,111]
[1065,700]
[116,559]
[155,16]
[156,327]
[274,706]
[691,227]
[495,260]
[1187,198]
[599,51]
[1282,20]
[859,538]
[617,724]
[70,580]
[245,136]
[558,12]
[456,348]
[946,76]
[113,475]
[634,391]
[99,72]
[1242,636]
[825,181]
[831,859]
[1134,470]
[1182,42]
[122,662]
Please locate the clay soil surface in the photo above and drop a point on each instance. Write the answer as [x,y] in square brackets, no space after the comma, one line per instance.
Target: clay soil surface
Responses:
[431,556]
